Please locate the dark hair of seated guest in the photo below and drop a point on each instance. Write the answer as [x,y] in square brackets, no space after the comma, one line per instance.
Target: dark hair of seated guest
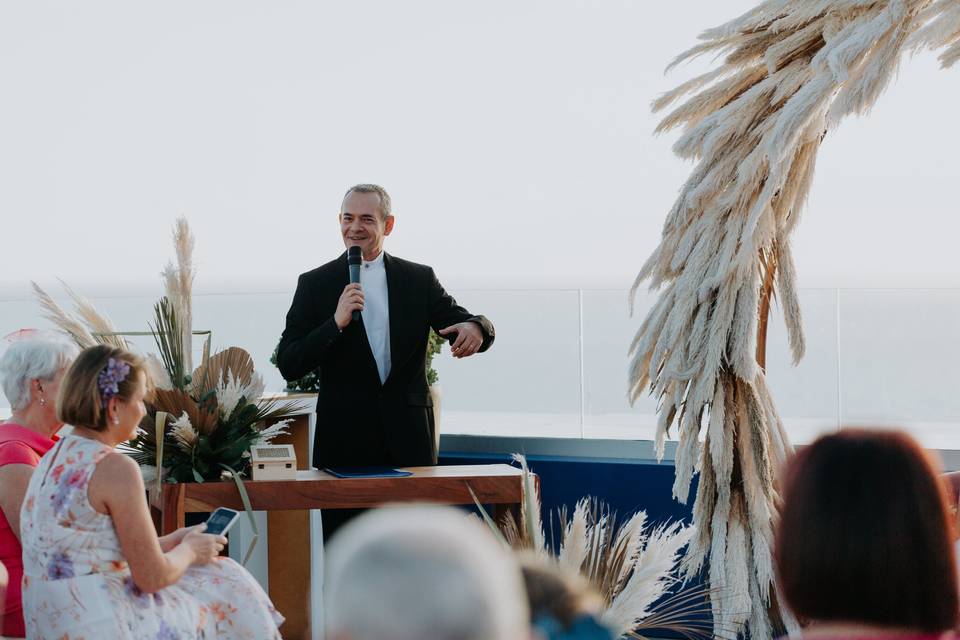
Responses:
[563,604]
[864,536]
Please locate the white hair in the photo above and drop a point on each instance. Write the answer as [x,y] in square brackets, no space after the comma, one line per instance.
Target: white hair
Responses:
[31,359]
[410,573]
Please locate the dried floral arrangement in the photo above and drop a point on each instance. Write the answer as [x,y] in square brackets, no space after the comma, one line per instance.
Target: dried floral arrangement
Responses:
[201,421]
[788,72]
[629,564]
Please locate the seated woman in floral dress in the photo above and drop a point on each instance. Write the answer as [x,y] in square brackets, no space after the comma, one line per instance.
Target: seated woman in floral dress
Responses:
[93,564]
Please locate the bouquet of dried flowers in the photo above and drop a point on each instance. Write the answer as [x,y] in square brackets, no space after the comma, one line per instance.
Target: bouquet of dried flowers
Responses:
[201,421]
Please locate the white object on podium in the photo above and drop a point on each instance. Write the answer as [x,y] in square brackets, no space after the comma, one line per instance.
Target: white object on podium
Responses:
[273,462]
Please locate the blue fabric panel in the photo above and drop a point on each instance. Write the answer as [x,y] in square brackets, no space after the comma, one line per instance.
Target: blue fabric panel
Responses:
[626,486]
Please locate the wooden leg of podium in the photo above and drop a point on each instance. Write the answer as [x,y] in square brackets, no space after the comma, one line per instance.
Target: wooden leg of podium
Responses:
[288,562]
[289,552]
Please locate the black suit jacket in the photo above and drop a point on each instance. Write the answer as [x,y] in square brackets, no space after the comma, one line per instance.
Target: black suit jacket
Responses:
[359,420]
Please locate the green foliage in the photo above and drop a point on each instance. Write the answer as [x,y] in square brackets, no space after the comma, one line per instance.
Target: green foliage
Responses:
[435,342]
[307,384]
[166,333]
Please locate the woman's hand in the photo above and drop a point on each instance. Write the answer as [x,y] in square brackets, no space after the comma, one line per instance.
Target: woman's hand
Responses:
[171,540]
[205,546]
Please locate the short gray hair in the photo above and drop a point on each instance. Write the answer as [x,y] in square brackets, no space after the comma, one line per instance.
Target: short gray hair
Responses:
[385,206]
[409,573]
[29,359]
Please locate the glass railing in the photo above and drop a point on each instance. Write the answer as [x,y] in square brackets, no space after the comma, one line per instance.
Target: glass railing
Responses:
[878,357]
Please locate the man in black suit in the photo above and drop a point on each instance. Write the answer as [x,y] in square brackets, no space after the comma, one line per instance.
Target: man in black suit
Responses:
[373,407]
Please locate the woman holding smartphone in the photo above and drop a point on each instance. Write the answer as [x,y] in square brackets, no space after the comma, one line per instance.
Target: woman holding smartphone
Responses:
[93,564]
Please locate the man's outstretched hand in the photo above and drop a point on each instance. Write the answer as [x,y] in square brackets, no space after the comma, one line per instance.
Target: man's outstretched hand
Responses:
[469,338]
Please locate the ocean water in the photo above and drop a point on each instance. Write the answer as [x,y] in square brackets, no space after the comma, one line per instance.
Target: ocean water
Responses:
[879,357]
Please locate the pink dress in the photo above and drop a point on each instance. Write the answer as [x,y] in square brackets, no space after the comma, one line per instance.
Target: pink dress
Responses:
[18,445]
[77,584]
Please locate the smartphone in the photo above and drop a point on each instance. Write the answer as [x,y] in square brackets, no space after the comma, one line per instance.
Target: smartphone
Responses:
[221,520]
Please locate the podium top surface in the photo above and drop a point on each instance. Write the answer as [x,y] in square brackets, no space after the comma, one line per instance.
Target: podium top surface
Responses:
[462,471]
[314,489]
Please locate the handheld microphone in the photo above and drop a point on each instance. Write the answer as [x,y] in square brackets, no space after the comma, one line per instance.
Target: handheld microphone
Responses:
[354,260]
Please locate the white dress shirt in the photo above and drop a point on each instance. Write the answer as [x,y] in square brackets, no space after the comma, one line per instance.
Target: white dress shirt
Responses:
[376,312]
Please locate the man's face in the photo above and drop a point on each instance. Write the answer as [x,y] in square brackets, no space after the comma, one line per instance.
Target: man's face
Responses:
[362,225]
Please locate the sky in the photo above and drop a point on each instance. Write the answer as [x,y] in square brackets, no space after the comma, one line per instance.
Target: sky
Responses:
[516,140]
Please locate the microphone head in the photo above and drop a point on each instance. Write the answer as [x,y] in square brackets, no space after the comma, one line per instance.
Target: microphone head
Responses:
[354,255]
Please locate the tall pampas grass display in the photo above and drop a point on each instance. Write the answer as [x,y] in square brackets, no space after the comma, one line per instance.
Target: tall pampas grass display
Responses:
[76,329]
[941,29]
[788,72]
[178,286]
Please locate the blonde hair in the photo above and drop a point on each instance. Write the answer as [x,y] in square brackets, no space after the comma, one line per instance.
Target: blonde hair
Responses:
[80,402]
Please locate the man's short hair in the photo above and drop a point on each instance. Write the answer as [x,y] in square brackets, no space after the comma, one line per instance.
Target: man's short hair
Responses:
[410,573]
[371,188]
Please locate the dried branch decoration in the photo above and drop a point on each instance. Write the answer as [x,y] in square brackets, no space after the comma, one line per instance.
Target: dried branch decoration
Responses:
[792,70]
[941,30]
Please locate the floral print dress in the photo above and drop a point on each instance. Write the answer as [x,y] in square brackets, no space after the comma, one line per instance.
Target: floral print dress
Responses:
[77,585]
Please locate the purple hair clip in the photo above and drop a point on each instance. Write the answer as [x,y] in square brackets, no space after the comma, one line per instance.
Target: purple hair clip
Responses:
[110,378]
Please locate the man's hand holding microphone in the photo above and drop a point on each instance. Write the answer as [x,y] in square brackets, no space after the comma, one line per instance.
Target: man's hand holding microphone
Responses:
[351,300]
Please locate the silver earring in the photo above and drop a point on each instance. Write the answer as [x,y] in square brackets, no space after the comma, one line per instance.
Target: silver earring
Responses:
[43,401]
[116,421]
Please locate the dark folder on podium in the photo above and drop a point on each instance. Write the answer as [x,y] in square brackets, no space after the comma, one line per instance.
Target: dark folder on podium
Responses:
[367,472]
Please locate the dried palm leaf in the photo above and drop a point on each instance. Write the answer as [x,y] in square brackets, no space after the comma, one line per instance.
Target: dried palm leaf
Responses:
[176,402]
[685,613]
[232,360]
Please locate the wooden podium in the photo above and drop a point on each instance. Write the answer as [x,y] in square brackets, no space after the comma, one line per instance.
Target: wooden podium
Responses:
[288,501]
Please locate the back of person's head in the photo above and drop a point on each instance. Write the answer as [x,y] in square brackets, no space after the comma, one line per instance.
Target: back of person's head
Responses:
[411,573]
[864,534]
[563,595]
[81,401]
[32,358]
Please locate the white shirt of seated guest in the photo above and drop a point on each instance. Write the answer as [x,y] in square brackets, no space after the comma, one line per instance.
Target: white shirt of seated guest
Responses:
[376,312]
